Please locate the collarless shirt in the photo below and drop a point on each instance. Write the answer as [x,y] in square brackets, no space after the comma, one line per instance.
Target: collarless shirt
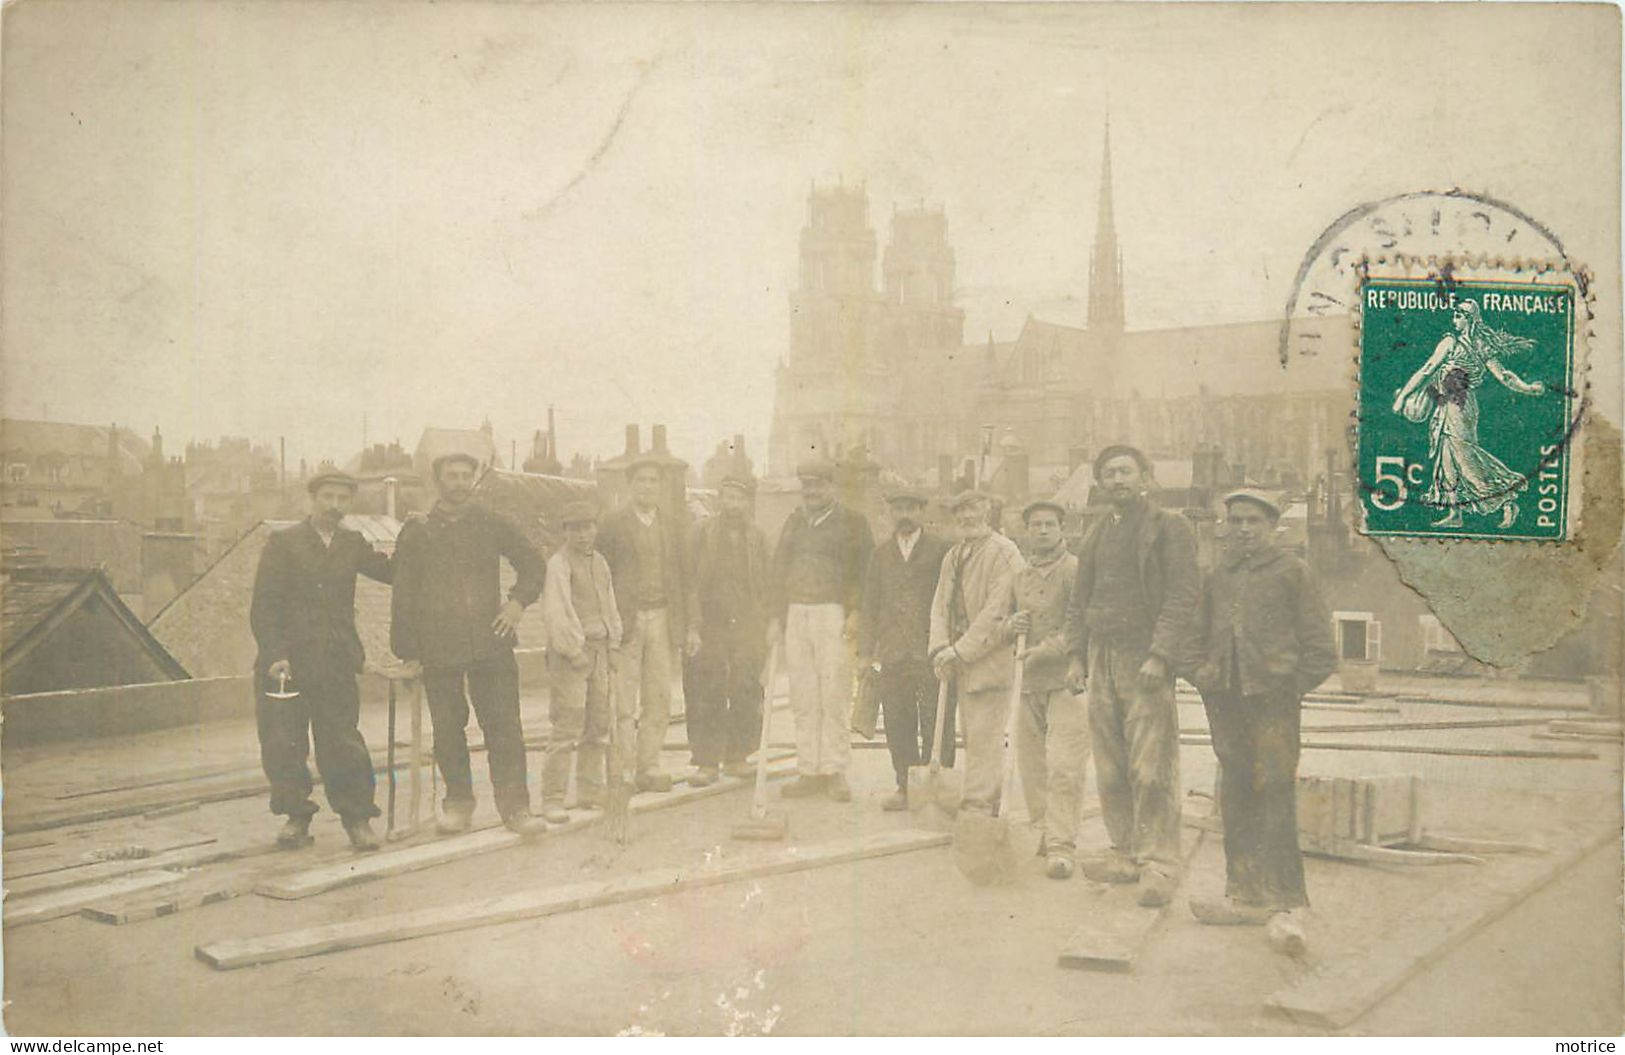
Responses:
[906,543]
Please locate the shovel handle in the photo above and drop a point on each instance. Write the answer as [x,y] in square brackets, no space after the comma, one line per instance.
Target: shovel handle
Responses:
[758,805]
[942,717]
[1008,786]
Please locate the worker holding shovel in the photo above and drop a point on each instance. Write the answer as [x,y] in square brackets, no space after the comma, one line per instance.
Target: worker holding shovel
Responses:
[968,641]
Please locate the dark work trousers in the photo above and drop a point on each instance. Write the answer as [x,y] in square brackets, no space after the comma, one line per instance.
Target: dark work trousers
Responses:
[326,710]
[493,685]
[723,691]
[1134,726]
[908,700]
[1256,741]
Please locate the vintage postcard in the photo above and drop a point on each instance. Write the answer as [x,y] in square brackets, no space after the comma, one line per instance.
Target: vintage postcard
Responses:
[843,519]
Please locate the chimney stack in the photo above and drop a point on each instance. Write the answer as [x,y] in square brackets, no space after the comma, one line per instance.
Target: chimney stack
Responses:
[392,488]
[631,440]
[657,439]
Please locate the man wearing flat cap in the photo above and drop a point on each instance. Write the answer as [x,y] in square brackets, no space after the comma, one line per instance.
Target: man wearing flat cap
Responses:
[647,550]
[449,616]
[969,643]
[896,629]
[730,565]
[583,636]
[817,594]
[1129,616]
[1052,730]
[303,619]
[1262,639]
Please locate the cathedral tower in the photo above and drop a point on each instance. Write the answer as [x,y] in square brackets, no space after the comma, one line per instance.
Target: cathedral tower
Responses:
[1106,264]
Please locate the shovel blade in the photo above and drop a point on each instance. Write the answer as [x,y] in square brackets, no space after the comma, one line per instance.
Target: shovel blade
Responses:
[927,790]
[984,852]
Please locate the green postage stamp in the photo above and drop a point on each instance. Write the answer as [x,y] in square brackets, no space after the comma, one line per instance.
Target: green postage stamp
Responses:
[1468,407]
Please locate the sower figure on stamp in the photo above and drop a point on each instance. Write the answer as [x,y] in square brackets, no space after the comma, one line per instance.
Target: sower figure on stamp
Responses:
[730,565]
[583,642]
[895,633]
[450,619]
[303,618]
[1052,734]
[1130,611]
[969,645]
[1262,639]
[647,550]
[817,583]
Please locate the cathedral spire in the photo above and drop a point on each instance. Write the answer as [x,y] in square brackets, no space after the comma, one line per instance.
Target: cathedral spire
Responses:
[1106,263]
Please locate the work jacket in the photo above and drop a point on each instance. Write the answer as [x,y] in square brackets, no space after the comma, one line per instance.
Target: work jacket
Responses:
[730,583]
[823,562]
[968,611]
[303,609]
[617,541]
[1262,626]
[566,637]
[1169,581]
[1043,591]
[896,626]
[448,585]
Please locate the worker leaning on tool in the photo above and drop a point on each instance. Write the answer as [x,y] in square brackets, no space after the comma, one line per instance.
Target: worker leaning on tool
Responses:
[896,630]
[583,635]
[1261,640]
[730,563]
[303,619]
[1052,731]
[817,583]
[449,617]
[1128,618]
[968,643]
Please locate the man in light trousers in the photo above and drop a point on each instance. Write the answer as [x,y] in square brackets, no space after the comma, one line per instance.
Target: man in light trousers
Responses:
[1052,733]
[969,643]
[818,572]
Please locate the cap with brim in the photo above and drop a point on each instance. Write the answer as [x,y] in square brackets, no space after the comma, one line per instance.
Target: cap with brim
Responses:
[1043,503]
[1118,450]
[739,483]
[454,456]
[965,498]
[578,513]
[1257,498]
[815,469]
[340,479]
[907,494]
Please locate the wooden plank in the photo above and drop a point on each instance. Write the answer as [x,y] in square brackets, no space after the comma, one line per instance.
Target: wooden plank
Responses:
[1421,749]
[429,854]
[68,902]
[1584,738]
[1578,707]
[1399,727]
[1117,928]
[135,908]
[192,857]
[401,926]
[1344,989]
[81,858]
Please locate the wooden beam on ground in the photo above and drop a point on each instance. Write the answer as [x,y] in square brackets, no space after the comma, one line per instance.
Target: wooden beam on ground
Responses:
[1580,738]
[1345,988]
[1116,928]
[427,855]
[1400,727]
[192,857]
[89,853]
[1337,708]
[69,902]
[143,905]
[401,926]
[1418,749]
[1580,706]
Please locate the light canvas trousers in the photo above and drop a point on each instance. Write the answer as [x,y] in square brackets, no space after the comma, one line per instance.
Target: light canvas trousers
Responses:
[984,715]
[578,716]
[1052,754]
[819,661]
[646,668]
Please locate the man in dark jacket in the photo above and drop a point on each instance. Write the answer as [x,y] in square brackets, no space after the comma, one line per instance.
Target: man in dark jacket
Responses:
[818,570]
[892,641]
[730,578]
[1127,621]
[449,618]
[647,550]
[303,618]
[1262,639]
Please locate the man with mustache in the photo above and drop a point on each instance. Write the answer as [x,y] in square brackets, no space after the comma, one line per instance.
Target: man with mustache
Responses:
[303,618]
[1263,638]
[730,576]
[1129,616]
[896,629]
[450,619]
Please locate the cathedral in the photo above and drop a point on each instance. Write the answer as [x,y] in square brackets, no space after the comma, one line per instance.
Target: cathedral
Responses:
[860,356]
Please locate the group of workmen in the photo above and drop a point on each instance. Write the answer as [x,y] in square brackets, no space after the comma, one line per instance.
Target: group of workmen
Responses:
[639,598]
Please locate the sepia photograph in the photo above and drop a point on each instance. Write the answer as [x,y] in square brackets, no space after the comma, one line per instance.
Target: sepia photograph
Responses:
[783,519]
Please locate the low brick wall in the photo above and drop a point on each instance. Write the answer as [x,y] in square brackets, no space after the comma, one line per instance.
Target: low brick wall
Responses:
[86,714]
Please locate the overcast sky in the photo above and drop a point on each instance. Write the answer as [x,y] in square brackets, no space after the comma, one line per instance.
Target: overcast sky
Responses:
[271,219]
